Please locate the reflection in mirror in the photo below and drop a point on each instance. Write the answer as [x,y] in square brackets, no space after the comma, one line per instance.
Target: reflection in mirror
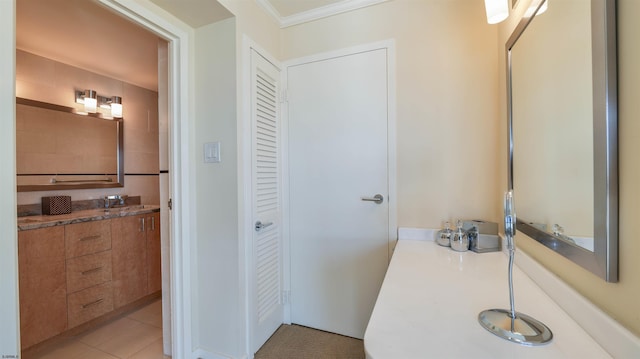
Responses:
[552,128]
[563,130]
[59,149]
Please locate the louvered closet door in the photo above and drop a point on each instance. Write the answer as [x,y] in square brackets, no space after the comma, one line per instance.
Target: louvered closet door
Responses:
[267,244]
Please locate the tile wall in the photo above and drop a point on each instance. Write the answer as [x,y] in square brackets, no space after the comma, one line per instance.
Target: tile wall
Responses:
[46,80]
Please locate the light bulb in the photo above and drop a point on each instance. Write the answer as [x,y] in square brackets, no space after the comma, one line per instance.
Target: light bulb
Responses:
[90,101]
[497,10]
[116,106]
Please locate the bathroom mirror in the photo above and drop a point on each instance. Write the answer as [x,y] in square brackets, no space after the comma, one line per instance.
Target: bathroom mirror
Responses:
[58,148]
[562,114]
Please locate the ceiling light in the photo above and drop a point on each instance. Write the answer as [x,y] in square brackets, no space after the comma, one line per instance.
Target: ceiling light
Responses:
[497,10]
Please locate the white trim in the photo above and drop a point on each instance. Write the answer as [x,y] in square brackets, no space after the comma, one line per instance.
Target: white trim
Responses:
[203,354]
[317,13]
[9,301]
[179,166]
[613,337]
[392,146]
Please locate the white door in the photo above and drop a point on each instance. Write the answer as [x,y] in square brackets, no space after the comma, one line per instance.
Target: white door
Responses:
[267,308]
[338,160]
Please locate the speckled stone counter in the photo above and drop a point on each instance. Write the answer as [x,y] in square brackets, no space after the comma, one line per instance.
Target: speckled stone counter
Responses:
[35,222]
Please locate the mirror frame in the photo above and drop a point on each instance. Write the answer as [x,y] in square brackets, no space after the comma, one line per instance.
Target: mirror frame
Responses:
[89,184]
[603,261]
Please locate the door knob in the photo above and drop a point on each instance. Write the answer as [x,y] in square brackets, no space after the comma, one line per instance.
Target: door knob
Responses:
[377,199]
[260,225]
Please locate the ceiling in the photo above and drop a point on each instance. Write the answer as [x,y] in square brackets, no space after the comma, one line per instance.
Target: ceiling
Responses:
[84,34]
[287,8]
[87,35]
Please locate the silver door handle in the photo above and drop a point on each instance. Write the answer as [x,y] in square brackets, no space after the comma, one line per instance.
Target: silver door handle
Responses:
[260,225]
[377,199]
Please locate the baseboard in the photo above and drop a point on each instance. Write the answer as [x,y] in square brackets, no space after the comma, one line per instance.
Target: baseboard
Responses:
[203,354]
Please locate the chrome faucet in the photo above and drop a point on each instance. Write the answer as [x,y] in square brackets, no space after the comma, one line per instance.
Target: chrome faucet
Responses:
[120,198]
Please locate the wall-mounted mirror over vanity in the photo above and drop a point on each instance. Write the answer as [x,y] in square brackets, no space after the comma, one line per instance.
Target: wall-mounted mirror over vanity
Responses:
[562,113]
[58,148]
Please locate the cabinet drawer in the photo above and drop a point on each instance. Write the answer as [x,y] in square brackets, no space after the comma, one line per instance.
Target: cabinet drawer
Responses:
[87,238]
[87,271]
[89,303]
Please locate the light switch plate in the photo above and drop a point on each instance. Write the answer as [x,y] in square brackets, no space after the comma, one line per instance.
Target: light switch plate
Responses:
[212,152]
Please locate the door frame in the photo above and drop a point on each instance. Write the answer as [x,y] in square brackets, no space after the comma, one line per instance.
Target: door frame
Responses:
[180,169]
[389,46]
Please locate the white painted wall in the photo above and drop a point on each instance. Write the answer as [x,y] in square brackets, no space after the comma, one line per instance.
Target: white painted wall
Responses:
[9,312]
[216,280]
[447,110]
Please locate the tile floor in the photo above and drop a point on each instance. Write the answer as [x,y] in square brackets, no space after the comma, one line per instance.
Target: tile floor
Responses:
[137,335]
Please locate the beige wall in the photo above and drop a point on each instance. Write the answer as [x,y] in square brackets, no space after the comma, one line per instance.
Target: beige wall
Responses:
[620,300]
[42,79]
[447,115]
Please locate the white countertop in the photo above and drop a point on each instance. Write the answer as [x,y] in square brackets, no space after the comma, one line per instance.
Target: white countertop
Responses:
[431,297]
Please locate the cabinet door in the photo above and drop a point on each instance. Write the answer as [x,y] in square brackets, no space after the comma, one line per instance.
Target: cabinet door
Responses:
[129,258]
[154,268]
[43,288]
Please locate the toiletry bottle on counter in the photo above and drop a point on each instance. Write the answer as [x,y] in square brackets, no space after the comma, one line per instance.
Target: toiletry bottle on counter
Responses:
[443,237]
[459,239]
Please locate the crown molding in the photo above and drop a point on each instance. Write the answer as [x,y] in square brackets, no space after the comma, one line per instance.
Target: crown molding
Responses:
[315,14]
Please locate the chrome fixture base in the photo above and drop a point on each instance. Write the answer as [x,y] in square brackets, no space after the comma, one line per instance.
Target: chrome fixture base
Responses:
[523,329]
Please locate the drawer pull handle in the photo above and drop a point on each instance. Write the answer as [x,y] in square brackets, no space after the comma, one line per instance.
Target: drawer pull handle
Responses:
[90,238]
[142,226]
[153,223]
[91,271]
[92,303]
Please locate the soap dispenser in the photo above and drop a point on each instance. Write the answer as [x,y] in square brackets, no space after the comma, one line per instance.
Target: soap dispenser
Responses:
[459,239]
[443,237]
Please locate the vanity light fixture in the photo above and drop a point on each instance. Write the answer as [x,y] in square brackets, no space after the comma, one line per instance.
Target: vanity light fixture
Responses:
[497,10]
[92,101]
[116,106]
[89,98]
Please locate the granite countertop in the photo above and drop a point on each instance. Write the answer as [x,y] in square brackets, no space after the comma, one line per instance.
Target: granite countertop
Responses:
[431,297]
[35,222]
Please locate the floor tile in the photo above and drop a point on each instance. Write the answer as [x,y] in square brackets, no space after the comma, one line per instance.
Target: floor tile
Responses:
[74,350]
[125,344]
[151,314]
[104,333]
[152,351]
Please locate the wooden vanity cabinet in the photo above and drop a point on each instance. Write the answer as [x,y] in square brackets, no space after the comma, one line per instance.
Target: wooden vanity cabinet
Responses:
[71,274]
[136,257]
[129,249]
[89,257]
[43,290]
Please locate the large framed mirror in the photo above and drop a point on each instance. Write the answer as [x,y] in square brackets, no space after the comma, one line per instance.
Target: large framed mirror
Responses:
[58,148]
[562,120]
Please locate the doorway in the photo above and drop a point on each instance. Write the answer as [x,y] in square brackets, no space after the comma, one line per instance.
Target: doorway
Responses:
[174,111]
